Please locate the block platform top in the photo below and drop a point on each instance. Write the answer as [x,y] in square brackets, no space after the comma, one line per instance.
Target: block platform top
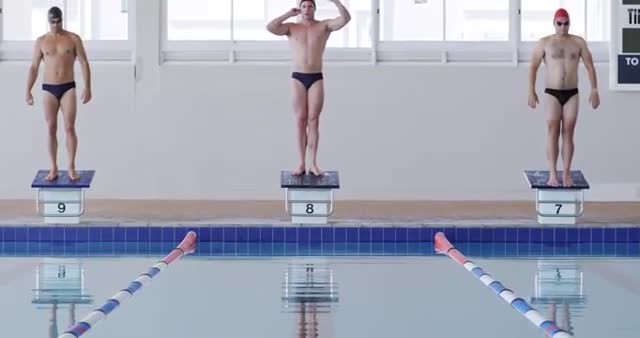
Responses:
[63,181]
[538,180]
[329,180]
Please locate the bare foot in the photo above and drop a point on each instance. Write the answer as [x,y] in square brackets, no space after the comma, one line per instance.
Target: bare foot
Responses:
[567,180]
[300,170]
[73,174]
[315,171]
[53,175]
[553,180]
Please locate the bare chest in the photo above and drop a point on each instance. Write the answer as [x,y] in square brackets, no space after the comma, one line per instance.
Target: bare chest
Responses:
[555,51]
[313,34]
[60,47]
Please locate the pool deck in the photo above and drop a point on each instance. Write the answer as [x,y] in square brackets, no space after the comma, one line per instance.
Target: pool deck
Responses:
[355,213]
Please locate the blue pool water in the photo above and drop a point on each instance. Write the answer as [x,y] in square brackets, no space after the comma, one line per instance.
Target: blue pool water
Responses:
[339,281]
[370,297]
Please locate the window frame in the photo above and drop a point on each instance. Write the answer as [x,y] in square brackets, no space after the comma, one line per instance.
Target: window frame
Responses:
[241,50]
[98,50]
[513,51]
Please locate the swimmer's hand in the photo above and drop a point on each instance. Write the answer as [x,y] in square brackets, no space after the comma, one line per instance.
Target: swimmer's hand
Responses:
[86,95]
[533,99]
[594,99]
[293,12]
[29,99]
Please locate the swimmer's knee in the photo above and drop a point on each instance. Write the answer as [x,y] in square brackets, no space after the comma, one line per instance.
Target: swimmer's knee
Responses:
[568,130]
[70,130]
[301,121]
[553,125]
[313,119]
[52,129]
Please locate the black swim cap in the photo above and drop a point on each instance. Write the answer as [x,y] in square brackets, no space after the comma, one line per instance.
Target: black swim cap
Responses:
[55,12]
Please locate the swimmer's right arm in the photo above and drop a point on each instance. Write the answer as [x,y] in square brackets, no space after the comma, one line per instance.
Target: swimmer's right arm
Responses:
[33,70]
[536,60]
[277,25]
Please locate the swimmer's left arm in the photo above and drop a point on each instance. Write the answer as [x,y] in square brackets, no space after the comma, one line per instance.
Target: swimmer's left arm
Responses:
[340,21]
[86,70]
[587,58]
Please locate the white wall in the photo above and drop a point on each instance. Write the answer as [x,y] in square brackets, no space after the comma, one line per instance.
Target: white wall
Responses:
[206,131]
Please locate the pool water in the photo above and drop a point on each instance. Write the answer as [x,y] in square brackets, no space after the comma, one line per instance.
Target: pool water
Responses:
[349,296]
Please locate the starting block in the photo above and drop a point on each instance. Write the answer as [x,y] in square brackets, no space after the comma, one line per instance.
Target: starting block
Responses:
[309,199]
[309,287]
[559,288]
[60,282]
[61,201]
[559,282]
[557,205]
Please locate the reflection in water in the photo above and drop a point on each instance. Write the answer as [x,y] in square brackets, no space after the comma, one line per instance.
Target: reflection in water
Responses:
[310,291]
[60,284]
[558,287]
[312,297]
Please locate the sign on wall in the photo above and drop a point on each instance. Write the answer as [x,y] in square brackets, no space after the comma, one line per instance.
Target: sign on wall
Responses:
[625,45]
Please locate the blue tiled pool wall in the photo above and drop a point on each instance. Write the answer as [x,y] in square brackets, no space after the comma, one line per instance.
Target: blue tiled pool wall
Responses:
[268,241]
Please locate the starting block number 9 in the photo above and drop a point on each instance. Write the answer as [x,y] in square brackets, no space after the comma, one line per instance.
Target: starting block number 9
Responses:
[62,208]
[309,210]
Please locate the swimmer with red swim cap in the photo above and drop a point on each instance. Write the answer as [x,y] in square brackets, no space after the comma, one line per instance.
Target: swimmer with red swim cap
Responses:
[561,13]
[308,39]
[561,53]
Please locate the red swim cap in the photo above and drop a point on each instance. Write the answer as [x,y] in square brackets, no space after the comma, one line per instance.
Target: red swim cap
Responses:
[561,13]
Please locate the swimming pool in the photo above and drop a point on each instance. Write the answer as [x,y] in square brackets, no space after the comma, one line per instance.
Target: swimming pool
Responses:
[341,281]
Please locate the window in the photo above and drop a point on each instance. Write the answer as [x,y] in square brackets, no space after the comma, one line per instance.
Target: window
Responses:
[212,20]
[410,20]
[537,17]
[599,20]
[356,33]
[589,19]
[473,20]
[91,19]
[198,19]
[250,18]
[424,20]
[435,31]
